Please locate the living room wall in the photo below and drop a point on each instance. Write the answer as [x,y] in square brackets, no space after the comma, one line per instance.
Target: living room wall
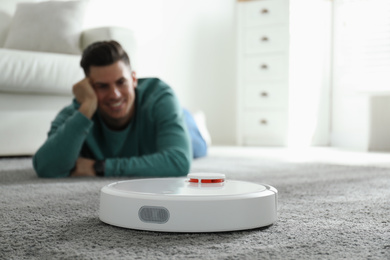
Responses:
[190,45]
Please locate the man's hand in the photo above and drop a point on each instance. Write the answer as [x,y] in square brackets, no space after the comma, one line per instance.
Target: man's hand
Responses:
[84,167]
[85,95]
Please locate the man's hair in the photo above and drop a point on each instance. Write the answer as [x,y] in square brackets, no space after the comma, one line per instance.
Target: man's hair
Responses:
[102,54]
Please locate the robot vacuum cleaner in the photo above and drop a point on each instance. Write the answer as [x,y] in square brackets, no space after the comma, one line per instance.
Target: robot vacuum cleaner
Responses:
[202,202]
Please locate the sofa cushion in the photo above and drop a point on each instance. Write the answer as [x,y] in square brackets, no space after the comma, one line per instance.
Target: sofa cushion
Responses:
[5,20]
[36,72]
[53,26]
[7,10]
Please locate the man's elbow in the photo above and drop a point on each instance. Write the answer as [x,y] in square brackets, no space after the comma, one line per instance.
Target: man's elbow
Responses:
[182,163]
[41,171]
[45,171]
[184,169]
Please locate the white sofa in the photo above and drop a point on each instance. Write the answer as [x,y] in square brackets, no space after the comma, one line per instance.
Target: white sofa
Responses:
[34,85]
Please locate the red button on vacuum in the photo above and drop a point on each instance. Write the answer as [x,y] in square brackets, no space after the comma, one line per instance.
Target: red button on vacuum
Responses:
[206,177]
[207,181]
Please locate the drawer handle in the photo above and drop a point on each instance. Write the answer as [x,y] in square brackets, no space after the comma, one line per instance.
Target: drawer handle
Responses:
[263,122]
[264,94]
[264,66]
[264,11]
[264,39]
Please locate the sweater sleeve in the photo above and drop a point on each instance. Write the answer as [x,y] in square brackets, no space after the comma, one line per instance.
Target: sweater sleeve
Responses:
[173,151]
[58,155]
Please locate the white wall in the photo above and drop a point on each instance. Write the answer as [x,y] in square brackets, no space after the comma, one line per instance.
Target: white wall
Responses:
[189,44]
[360,118]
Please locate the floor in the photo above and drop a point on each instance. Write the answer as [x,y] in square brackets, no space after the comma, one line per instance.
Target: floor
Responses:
[313,154]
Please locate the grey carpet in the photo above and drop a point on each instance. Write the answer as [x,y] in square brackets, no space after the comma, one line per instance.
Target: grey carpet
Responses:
[325,212]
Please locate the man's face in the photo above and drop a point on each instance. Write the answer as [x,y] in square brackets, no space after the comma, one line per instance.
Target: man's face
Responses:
[114,86]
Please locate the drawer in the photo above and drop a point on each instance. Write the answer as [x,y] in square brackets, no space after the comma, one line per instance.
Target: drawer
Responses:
[266,95]
[266,39]
[265,67]
[264,122]
[265,128]
[277,139]
[266,12]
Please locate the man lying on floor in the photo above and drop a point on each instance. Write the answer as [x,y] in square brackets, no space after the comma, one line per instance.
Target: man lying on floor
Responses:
[119,125]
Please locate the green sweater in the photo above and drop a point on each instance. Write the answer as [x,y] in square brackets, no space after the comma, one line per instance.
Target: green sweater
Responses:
[155,143]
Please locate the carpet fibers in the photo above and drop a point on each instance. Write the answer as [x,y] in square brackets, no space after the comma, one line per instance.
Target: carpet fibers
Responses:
[324,212]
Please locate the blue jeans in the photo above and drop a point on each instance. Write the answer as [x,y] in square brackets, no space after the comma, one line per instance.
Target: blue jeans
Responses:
[199,146]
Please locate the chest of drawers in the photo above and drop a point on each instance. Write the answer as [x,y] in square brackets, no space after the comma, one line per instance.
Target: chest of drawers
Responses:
[263,62]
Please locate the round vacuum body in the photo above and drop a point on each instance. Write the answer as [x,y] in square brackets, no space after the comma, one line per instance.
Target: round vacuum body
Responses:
[198,203]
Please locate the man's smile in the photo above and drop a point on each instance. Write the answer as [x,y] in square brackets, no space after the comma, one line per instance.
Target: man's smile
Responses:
[117,104]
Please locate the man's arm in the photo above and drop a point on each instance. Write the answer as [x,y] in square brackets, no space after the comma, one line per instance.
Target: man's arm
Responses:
[58,155]
[86,97]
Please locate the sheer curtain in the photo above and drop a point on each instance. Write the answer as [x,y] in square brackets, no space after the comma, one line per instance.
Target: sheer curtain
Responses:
[310,74]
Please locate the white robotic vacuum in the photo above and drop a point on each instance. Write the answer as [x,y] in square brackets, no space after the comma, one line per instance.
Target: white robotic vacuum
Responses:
[202,202]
